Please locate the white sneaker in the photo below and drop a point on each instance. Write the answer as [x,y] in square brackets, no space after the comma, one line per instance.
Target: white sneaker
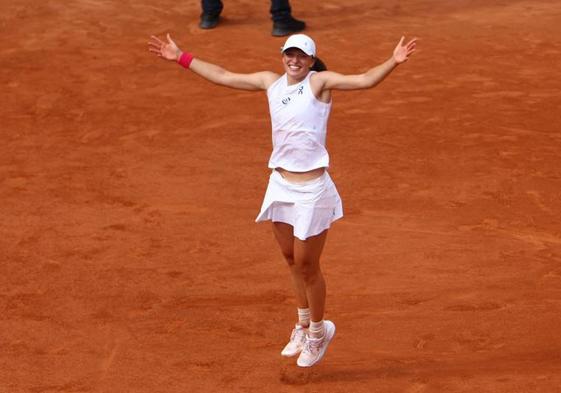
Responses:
[315,348]
[296,343]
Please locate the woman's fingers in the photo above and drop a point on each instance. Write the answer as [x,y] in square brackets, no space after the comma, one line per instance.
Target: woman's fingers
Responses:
[158,46]
[411,46]
[156,39]
[155,50]
[154,44]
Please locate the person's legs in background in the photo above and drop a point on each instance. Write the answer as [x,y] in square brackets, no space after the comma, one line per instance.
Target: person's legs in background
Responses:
[281,14]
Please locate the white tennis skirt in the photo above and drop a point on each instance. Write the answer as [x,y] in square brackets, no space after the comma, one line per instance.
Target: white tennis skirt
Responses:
[310,207]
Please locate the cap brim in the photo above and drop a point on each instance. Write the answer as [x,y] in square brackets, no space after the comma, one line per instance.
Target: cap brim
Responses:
[283,49]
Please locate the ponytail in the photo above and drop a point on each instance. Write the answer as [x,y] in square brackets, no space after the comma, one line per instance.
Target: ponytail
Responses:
[319,65]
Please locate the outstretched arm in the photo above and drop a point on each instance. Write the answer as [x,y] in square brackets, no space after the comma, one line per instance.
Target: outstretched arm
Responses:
[334,81]
[212,72]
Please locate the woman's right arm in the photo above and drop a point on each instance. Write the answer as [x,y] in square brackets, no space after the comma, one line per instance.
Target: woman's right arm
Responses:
[220,76]
[212,72]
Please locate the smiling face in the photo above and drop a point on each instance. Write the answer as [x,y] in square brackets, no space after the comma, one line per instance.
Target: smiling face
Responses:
[296,64]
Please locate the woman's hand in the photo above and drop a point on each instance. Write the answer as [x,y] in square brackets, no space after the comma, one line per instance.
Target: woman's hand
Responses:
[167,50]
[402,52]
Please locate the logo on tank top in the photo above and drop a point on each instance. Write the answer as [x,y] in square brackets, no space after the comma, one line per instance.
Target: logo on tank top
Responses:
[286,100]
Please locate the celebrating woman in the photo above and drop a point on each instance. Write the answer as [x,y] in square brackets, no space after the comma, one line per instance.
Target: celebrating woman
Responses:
[301,199]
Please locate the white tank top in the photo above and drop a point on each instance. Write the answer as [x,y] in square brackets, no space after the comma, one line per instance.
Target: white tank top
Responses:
[299,122]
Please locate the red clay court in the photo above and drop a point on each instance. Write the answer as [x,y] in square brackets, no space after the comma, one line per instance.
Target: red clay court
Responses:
[129,258]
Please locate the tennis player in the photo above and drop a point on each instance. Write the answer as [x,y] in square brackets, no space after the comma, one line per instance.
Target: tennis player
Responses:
[301,199]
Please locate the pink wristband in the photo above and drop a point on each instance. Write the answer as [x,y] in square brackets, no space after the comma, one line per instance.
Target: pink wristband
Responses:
[185,59]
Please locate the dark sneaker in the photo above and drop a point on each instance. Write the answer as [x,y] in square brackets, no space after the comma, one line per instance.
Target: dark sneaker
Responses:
[208,21]
[288,26]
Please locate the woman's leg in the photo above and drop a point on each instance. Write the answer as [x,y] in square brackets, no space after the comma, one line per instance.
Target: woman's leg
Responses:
[307,255]
[303,257]
[320,333]
[285,237]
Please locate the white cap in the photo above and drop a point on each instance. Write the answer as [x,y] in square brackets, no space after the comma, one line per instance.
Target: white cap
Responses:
[302,42]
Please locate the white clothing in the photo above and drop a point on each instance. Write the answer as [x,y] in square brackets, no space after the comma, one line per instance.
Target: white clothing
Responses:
[299,123]
[310,207]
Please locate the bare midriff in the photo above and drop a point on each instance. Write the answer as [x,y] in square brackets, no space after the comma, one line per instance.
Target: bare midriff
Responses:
[300,177]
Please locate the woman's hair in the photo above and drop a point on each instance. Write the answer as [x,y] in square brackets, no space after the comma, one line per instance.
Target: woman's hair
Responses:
[319,65]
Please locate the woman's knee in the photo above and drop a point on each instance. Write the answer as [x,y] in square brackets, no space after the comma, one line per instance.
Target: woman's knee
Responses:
[310,272]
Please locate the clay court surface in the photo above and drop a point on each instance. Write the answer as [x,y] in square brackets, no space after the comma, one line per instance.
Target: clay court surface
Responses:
[129,256]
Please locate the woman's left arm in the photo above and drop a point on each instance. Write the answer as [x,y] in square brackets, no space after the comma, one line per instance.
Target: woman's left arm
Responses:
[334,81]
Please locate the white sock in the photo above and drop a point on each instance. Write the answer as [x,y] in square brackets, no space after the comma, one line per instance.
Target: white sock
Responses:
[304,317]
[316,329]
